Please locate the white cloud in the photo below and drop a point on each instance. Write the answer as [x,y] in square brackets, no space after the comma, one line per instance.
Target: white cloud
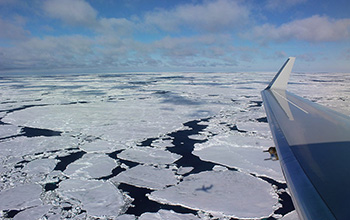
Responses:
[71,12]
[282,4]
[313,29]
[12,30]
[211,16]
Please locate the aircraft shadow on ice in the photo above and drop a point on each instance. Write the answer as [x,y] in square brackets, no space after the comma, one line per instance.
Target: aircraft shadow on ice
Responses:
[205,188]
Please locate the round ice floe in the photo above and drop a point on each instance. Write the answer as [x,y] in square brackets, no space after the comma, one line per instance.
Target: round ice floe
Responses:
[20,197]
[228,193]
[98,198]
[167,215]
[149,155]
[147,177]
[91,166]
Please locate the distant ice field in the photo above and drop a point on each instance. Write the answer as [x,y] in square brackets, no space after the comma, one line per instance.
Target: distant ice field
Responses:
[146,145]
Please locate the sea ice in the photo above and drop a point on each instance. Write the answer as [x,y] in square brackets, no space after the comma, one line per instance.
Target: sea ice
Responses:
[101,146]
[146,177]
[20,197]
[148,155]
[221,193]
[167,215]
[33,213]
[91,165]
[40,166]
[241,152]
[98,198]
[8,130]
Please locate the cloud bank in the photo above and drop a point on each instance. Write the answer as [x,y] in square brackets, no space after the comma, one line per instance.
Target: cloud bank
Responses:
[205,34]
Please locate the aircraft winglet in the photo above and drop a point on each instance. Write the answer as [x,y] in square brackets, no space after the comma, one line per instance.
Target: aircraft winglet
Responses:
[280,81]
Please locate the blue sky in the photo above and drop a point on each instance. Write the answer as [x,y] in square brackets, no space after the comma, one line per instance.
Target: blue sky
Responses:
[157,35]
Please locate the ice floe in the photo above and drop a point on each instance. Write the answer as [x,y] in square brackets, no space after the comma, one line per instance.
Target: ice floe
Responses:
[241,152]
[167,215]
[98,198]
[221,193]
[148,155]
[33,213]
[147,177]
[91,166]
[20,197]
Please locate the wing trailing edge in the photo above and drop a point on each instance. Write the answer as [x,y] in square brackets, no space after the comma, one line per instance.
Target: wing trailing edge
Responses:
[313,146]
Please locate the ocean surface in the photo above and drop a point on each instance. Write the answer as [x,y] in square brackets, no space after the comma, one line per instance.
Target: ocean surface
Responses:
[146,145]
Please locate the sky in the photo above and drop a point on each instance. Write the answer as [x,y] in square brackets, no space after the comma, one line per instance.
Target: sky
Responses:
[87,36]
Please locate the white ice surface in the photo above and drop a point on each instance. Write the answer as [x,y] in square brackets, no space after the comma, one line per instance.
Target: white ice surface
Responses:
[101,146]
[98,198]
[148,155]
[167,215]
[40,166]
[221,193]
[20,197]
[33,213]
[242,152]
[8,130]
[91,165]
[146,177]
[28,146]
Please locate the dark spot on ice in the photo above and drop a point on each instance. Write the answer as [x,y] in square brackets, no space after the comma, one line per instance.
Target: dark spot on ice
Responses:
[21,164]
[21,108]
[67,208]
[262,119]
[11,213]
[36,132]
[66,160]
[255,104]
[161,92]
[114,155]
[115,172]
[51,186]
[142,204]
[146,142]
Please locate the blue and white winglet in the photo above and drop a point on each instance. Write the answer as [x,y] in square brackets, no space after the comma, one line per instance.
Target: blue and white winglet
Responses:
[313,146]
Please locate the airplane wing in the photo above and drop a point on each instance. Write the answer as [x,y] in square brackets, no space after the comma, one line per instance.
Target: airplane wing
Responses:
[313,146]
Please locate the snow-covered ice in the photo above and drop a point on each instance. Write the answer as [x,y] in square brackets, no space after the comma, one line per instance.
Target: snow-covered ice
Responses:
[203,191]
[167,215]
[91,166]
[148,155]
[147,177]
[98,198]
[20,197]
[73,145]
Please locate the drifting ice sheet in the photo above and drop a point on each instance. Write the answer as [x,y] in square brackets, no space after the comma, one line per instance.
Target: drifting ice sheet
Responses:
[91,166]
[147,155]
[221,193]
[147,177]
[241,152]
[20,197]
[98,198]
[167,215]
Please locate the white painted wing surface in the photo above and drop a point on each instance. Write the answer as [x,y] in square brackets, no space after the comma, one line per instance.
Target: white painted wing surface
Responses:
[313,144]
